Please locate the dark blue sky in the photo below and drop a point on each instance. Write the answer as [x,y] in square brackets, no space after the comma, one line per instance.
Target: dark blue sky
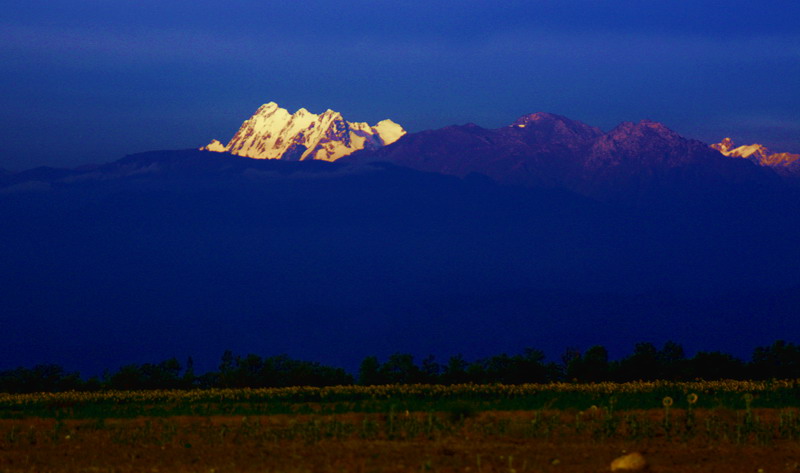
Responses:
[92,80]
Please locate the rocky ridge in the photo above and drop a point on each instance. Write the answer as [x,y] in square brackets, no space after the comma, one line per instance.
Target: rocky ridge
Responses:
[273,133]
[548,150]
[782,163]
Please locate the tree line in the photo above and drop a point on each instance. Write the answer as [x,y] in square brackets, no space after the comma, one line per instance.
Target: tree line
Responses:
[781,360]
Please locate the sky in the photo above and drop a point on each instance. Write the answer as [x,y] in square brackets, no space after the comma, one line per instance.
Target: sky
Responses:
[89,81]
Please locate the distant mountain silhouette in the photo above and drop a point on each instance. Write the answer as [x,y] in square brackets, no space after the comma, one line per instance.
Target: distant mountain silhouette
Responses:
[164,169]
[647,157]
[546,150]
[537,150]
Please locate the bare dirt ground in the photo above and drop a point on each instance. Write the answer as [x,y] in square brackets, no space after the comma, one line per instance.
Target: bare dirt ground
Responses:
[224,444]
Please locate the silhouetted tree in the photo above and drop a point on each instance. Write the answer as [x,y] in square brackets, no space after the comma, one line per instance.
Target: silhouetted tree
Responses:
[642,364]
[648,363]
[591,367]
[456,371]
[569,358]
[400,369]
[526,368]
[672,361]
[779,360]
[40,378]
[225,377]
[715,365]
[276,371]
[533,368]
[163,375]
[128,377]
[431,370]
[368,372]
[189,376]
[282,371]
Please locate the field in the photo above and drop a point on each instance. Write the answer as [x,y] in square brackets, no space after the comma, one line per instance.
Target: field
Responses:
[686,427]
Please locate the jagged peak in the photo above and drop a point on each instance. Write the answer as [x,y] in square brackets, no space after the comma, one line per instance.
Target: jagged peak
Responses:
[644,126]
[330,113]
[389,131]
[757,153]
[723,146]
[215,146]
[273,133]
[541,117]
[553,125]
[653,124]
[268,107]
[387,121]
[746,151]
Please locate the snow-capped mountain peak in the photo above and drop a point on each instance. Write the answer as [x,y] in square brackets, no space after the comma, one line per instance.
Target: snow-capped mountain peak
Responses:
[727,148]
[273,133]
[724,146]
[782,163]
[215,145]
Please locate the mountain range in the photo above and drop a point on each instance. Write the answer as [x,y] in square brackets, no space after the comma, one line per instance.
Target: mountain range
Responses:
[632,162]
[547,150]
[536,150]
[546,233]
[782,163]
[273,133]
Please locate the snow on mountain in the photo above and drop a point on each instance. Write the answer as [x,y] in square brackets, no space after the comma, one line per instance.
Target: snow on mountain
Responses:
[215,145]
[727,148]
[760,155]
[273,133]
[724,146]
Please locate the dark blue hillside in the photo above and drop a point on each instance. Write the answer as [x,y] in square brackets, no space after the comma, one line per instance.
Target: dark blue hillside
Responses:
[191,253]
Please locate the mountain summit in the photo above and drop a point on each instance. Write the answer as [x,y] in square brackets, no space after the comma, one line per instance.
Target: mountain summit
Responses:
[782,163]
[754,151]
[548,150]
[273,133]
[555,129]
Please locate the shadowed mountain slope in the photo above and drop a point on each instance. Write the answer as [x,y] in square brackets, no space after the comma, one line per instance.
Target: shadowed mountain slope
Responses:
[180,253]
[633,162]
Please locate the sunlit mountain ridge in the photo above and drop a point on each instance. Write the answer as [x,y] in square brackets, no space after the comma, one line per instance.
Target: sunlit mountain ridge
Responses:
[782,163]
[273,133]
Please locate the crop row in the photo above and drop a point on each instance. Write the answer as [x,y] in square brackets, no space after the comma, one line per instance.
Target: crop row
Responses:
[420,397]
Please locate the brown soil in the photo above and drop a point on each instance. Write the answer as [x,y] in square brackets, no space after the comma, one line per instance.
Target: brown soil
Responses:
[227,444]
